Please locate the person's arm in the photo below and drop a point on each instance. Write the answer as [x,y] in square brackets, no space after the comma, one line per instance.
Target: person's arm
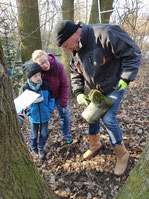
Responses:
[77,82]
[64,87]
[122,47]
[77,79]
[51,98]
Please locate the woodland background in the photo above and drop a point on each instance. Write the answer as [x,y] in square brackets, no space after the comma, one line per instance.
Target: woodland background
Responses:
[26,25]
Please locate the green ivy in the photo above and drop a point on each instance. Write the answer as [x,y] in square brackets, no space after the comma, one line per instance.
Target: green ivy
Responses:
[12,54]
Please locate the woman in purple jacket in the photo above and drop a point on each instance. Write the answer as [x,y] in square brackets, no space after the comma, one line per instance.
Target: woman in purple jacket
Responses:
[54,73]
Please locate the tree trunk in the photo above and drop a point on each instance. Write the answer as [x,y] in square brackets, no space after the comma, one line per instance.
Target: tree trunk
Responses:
[68,14]
[19,177]
[94,15]
[137,184]
[104,5]
[29,28]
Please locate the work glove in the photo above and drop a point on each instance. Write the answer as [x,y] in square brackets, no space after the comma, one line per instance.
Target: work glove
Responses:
[82,99]
[121,85]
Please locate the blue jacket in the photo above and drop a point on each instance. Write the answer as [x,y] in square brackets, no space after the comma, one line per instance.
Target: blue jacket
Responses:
[40,112]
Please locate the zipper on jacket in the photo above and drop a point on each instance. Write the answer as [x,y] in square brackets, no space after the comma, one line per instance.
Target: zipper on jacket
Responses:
[39,107]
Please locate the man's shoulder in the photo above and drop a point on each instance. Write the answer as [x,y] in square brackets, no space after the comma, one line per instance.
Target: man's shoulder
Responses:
[105,27]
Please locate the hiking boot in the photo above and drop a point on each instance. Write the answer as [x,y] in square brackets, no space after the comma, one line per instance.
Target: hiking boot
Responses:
[95,143]
[122,155]
[35,152]
[42,154]
[68,139]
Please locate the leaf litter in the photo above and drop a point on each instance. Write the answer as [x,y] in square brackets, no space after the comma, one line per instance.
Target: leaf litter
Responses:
[71,177]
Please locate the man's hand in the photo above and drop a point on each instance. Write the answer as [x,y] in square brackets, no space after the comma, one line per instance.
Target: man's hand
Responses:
[82,99]
[121,85]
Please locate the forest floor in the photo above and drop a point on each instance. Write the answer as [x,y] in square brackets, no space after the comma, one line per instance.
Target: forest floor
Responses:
[68,175]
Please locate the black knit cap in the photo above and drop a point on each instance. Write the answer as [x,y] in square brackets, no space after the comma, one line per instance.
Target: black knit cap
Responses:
[64,30]
[32,70]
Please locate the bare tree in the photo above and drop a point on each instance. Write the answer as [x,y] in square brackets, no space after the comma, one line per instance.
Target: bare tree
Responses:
[81,10]
[29,28]
[134,22]
[68,14]
[129,19]
[104,5]
[48,12]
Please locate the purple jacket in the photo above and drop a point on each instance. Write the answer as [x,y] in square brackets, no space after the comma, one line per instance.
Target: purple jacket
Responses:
[56,76]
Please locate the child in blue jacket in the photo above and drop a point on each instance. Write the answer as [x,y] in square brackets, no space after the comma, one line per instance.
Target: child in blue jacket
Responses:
[39,111]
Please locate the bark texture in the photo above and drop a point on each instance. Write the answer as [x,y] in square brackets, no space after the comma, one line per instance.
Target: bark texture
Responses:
[19,177]
[94,15]
[104,5]
[137,184]
[29,28]
[68,14]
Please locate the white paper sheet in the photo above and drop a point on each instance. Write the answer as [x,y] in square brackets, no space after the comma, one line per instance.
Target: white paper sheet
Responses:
[25,99]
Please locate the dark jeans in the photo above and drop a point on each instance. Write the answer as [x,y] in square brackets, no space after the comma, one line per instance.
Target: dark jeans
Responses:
[42,137]
[65,122]
[109,120]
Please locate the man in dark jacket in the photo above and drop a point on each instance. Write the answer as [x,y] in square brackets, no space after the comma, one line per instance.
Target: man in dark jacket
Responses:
[103,57]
